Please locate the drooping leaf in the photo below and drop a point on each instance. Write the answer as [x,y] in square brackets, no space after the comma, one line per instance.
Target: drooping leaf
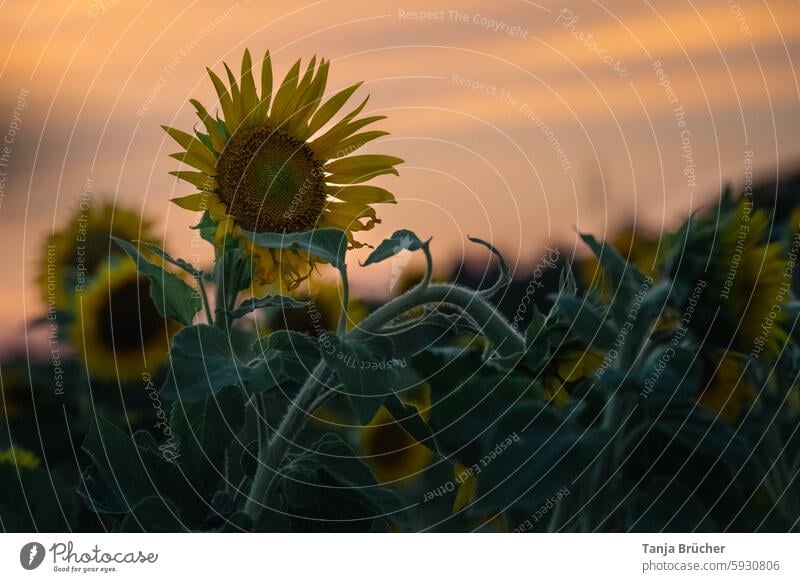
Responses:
[172,297]
[401,240]
[328,244]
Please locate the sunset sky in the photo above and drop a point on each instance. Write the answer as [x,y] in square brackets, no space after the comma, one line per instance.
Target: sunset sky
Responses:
[519,121]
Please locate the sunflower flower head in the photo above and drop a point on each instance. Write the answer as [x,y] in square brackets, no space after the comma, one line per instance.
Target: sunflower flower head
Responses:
[22,458]
[569,366]
[393,454]
[74,254]
[118,332]
[277,162]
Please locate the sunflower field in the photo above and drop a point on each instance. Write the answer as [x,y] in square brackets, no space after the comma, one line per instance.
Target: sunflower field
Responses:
[651,387]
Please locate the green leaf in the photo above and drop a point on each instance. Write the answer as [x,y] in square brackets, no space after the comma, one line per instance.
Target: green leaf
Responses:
[586,321]
[204,430]
[201,362]
[207,228]
[121,474]
[365,367]
[180,263]
[401,240]
[280,301]
[531,454]
[232,270]
[288,355]
[328,244]
[331,488]
[409,418]
[153,515]
[172,297]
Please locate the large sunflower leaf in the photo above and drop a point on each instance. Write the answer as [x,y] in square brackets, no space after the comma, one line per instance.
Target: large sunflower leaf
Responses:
[332,488]
[201,362]
[204,430]
[172,297]
[365,367]
[328,244]
[122,474]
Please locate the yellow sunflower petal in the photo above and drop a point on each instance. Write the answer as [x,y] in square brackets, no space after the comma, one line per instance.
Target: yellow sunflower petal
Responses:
[225,100]
[248,87]
[330,108]
[199,180]
[196,161]
[361,194]
[211,125]
[357,169]
[266,87]
[284,95]
[347,146]
[194,202]
[332,139]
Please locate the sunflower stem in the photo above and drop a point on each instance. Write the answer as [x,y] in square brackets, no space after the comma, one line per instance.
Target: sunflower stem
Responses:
[343,315]
[506,340]
[271,456]
[426,280]
[204,297]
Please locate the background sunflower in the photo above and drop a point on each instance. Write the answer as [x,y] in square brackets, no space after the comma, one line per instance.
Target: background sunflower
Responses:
[118,331]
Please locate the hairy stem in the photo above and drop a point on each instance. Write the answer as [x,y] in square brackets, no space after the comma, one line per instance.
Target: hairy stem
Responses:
[506,340]
[494,326]
[271,456]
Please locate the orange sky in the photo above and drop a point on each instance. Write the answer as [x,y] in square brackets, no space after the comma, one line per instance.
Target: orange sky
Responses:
[518,120]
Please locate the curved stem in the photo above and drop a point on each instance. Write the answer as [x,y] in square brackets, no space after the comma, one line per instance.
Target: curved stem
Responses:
[506,340]
[497,330]
[270,457]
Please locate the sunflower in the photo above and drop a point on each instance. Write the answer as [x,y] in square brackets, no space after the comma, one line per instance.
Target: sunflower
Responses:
[568,367]
[22,458]
[757,271]
[274,163]
[73,255]
[730,391]
[742,303]
[118,331]
[638,248]
[393,454]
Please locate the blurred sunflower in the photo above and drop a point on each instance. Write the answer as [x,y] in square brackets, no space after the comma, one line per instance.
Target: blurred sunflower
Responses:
[73,255]
[757,284]
[638,248]
[118,331]
[730,391]
[22,458]
[268,166]
[569,366]
[393,454]
[745,276]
